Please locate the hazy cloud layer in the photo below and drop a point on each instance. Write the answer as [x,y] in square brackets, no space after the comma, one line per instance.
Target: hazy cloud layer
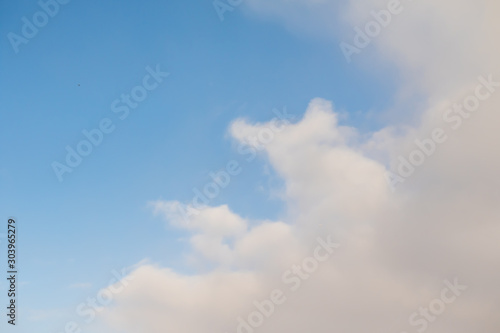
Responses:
[397,245]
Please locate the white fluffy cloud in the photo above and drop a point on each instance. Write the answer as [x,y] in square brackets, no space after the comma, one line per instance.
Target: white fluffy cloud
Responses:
[397,247]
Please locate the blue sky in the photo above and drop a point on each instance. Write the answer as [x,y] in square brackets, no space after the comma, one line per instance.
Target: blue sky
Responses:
[64,80]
